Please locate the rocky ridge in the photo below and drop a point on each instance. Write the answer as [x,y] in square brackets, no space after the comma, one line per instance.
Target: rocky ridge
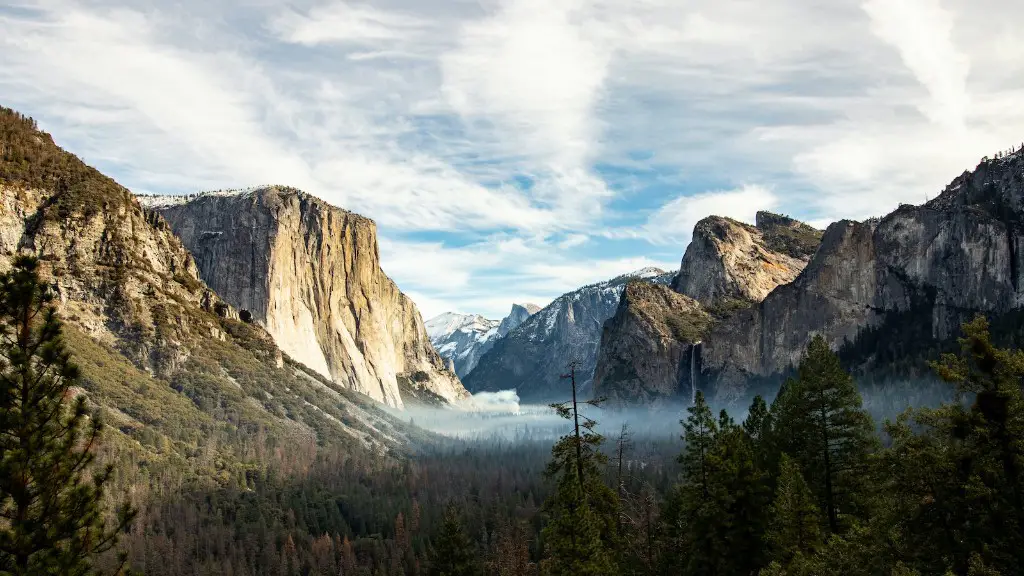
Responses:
[461,339]
[162,355]
[531,358]
[650,350]
[648,354]
[309,273]
[889,288]
[727,259]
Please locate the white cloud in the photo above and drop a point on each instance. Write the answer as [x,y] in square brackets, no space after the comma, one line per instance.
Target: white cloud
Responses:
[344,22]
[921,31]
[674,221]
[504,146]
[533,69]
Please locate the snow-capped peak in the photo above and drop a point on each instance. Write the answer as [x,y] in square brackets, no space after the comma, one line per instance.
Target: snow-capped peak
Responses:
[444,325]
[648,272]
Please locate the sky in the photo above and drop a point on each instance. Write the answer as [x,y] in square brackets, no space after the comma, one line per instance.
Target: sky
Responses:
[513,150]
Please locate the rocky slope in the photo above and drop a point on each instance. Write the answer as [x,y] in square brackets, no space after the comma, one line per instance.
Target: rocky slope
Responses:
[167,361]
[728,259]
[531,358]
[310,274]
[648,353]
[890,288]
[461,339]
[650,349]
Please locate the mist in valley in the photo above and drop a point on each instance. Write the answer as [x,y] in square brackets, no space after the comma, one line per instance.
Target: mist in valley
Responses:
[488,418]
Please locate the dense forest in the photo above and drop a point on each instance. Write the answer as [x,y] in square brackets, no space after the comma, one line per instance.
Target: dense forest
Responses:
[804,486]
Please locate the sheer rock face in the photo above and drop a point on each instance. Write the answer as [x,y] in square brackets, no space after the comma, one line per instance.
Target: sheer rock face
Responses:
[730,259]
[934,265]
[648,352]
[310,274]
[518,315]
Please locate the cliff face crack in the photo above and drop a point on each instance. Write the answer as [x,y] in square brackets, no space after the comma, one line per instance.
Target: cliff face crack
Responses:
[1011,241]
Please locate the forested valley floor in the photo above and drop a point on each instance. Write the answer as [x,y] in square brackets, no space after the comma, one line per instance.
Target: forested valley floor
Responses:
[808,485]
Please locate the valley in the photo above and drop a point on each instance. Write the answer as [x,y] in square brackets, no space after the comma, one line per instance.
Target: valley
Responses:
[274,403]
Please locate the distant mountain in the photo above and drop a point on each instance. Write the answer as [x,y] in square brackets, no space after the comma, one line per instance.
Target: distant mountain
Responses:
[518,315]
[532,357]
[463,338]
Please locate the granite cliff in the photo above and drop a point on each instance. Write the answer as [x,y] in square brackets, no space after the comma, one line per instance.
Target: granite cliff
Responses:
[309,273]
[731,260]
[531,358]
[889,288]
[650,350]
[163,357]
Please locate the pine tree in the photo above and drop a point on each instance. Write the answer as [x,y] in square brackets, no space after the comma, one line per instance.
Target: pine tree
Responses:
[50,492]
[758,423]
[821,423]
[699,434]
[715,519]
[954,473]
[581,535]
[453,551]
[795,528]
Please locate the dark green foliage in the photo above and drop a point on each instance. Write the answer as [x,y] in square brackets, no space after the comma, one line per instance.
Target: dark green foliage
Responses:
[820,423]
[795,527]
[30,159]
[788,236]
[687,327]
[955,472]
[51,494]
[453,553]
[716,517]
[581,536]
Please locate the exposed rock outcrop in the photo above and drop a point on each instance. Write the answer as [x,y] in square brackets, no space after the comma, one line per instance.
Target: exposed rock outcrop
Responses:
[462,339]
[165,358]
[901,283]
[731,260]
[518,315]
[728,267]
[648,354]
[309,273]
[532,358]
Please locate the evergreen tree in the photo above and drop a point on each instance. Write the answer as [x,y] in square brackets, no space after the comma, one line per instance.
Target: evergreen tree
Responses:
[821,423]
[954,473]
[453,551]
[795,528]
[581,535]
[50,493]
[758,424]
[715,519]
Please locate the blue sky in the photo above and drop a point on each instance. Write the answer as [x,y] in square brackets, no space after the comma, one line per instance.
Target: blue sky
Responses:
[512,150]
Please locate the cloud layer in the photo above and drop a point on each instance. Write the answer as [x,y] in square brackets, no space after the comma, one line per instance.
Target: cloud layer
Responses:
[511,150]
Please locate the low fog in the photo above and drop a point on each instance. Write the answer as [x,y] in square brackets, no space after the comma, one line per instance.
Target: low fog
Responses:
[490,416]
[500,416]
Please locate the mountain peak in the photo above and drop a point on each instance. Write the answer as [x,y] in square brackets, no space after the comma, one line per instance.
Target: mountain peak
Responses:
[528,306]
[730,259]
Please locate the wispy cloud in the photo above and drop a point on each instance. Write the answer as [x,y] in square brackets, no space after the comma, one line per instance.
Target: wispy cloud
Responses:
[511,148]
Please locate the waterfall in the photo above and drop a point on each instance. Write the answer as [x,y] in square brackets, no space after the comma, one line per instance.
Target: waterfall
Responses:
[694,351]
